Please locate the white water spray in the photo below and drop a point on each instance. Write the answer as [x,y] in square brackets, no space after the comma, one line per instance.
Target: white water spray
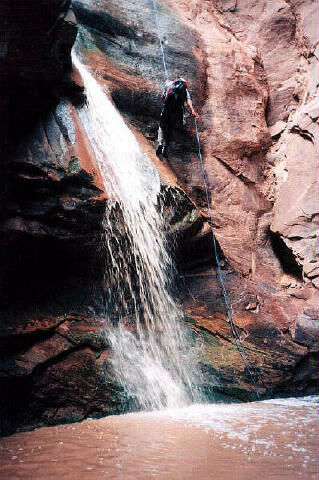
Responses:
[151,353]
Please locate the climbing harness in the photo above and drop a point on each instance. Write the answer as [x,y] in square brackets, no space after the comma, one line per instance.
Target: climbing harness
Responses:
[251,369]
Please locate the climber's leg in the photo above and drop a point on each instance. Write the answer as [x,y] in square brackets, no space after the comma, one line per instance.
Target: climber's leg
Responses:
[160,141]
[163,137]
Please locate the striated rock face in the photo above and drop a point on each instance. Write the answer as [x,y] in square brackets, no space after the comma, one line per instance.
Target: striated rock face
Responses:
[54,361]
[276,249]
[231,58]
[271,30]
[252,73]
[286,39]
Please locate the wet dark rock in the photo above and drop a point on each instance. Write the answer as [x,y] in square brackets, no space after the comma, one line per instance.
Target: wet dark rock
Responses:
[54,357]
[264,331]
[38,33]
[260,264]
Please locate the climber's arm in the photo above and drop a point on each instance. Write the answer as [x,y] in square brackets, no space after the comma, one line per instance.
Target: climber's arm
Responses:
[191,108]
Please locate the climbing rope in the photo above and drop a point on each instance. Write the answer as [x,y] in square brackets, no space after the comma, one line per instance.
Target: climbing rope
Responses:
[253,372]
[251,369]
[160,38]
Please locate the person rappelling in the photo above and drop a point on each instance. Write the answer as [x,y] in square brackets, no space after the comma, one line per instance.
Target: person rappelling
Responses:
[175,96]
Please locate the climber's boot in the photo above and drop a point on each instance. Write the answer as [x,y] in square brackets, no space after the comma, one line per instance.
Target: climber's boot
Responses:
[159,150]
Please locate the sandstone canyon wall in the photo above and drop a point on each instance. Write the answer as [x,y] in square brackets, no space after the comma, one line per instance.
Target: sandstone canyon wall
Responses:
[253,73]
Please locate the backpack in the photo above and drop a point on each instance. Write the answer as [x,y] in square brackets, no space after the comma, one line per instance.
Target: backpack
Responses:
[175,96]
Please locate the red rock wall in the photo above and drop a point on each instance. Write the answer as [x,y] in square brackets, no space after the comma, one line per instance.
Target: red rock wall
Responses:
[253,76]
[263,202]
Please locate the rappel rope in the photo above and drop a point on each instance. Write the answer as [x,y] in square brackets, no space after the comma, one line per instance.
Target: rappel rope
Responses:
[253,372]
[160,38]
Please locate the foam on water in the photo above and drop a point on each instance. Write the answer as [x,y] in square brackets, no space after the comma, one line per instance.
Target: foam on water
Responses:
[213,415]
[307,401]
[225,442]
[244,421]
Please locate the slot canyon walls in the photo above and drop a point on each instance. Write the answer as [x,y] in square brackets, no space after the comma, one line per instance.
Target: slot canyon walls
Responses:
[253,75]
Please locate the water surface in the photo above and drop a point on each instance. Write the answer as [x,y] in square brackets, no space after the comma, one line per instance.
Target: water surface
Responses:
[275,439]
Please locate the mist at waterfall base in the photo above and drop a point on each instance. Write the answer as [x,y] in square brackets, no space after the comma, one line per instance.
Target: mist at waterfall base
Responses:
[152,353]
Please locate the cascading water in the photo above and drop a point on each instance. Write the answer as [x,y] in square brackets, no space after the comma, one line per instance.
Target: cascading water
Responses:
[151,351]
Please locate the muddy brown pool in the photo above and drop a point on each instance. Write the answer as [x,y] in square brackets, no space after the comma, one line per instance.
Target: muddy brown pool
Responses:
[275,439]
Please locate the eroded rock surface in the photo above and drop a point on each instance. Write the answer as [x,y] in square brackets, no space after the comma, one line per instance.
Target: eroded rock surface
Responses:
[286,39]
[253,75]
[239,89]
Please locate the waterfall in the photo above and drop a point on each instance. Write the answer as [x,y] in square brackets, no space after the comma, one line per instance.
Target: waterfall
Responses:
[151,349]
